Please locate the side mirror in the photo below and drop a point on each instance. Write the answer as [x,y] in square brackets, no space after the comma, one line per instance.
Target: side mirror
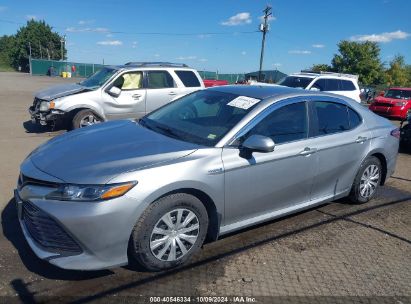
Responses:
[114,91]
[315,89]
[381,93]
[256,143]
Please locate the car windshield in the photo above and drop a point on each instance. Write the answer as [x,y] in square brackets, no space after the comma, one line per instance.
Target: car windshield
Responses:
[203,117]
[98,79]
[295,82]
[398,94]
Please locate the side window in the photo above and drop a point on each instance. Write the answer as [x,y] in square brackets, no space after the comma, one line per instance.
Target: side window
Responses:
[285,124]
[320,84]
[347,85]
[332,118]
[188,78]
[355,119]
[129,81]
[333,85]
[160,80]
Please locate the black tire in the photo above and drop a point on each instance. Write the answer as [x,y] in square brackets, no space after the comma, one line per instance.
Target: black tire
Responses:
[355,195]
[82,114]
[139,250]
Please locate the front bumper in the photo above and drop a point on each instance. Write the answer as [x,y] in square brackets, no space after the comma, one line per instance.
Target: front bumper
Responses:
[45,117]
[390,112]
[100,229]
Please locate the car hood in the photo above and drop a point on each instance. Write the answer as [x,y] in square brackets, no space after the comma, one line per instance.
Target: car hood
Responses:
[60,91]
[96,154]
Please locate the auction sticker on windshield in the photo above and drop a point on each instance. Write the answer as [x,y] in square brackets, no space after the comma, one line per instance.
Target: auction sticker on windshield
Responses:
[243,102]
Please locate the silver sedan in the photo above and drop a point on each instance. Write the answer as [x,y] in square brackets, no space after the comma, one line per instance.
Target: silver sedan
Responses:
[153,191]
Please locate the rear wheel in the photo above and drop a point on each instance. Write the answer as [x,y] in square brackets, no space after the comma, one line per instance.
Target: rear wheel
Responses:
[85,118]
[169,232]
[366,181]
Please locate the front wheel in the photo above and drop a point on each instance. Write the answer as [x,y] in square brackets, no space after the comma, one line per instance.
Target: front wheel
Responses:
[85,118]
[169,232]
[366,181]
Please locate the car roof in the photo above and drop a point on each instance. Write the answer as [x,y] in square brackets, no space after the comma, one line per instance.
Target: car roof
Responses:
[260,92]
[148,67]
[399,88]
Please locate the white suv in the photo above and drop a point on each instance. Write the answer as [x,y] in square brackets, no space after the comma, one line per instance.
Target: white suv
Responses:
[341,84]
[115,92]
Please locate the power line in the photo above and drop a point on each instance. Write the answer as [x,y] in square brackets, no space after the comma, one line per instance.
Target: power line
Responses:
[103,31]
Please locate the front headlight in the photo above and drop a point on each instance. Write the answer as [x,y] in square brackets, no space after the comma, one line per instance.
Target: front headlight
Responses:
[45,105]
[70,192]
[400,103]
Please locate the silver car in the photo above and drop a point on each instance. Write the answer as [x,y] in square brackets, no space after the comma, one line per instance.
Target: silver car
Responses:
[215,161]
[114,92]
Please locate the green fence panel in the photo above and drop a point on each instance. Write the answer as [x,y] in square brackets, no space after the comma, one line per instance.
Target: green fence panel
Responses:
[42,66]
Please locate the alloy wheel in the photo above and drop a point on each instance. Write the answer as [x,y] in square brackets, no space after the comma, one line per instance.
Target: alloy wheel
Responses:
[369,181]
[88,120]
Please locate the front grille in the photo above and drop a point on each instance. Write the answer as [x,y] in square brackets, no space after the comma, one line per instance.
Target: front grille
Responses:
[25,180]
[383,104]
[46,232]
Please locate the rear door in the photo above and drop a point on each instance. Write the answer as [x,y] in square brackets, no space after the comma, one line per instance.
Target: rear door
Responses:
[161,89]
[342,141]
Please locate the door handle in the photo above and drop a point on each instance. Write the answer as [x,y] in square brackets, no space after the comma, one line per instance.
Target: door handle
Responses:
[136,96]
[172,93]
[308,151]
[361,139]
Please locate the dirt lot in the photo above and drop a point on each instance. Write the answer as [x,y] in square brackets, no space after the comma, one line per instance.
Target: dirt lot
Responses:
[336,253]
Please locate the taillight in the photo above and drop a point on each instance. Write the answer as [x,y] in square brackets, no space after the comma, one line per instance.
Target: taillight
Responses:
[396,133]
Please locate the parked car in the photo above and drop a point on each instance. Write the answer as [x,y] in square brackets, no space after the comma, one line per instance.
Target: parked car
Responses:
[208,164]
[395,103]
[405,137]
[117,92]
[337,83]
[214,82]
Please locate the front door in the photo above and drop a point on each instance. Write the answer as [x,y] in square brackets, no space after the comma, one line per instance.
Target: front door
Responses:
[276,180]
[131,103]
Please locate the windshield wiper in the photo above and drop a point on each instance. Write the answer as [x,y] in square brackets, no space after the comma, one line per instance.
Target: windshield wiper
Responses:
[167,131]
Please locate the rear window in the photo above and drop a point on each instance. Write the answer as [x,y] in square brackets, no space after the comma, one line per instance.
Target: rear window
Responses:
[333,85]
[347,85]
[188,78]
[355,119]
[295,82]
[160,80]
[332,118]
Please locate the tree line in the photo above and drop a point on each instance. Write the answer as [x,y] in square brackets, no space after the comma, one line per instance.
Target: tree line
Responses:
[359,58]
[35,35]
[363,59]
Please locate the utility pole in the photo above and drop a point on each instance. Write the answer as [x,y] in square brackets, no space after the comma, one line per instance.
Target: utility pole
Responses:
[41,53]
[264,28]
[62,41]
[29,58]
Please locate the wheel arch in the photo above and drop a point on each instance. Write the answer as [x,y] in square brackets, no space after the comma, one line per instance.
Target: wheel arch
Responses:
[383,160]
[214,218]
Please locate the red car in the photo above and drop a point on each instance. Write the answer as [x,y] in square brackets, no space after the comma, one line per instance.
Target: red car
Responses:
[214,82]
[395,103]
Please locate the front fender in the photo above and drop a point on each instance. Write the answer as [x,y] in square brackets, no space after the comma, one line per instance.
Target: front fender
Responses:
[79,101]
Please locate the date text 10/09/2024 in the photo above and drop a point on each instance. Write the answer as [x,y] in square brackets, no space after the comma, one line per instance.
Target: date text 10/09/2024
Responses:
[199,299]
